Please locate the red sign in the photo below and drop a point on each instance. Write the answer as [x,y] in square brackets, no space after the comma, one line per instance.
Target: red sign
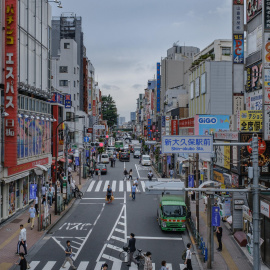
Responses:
[174,126]
[90,130]
[261,146]
[94,108]
[11,63]
[188,122]
[27,166]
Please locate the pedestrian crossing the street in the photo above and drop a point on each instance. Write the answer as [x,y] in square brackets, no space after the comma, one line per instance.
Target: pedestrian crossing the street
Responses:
[117,186]
[87,265]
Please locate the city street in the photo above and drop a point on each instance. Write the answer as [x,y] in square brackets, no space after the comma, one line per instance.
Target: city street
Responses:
[98,230]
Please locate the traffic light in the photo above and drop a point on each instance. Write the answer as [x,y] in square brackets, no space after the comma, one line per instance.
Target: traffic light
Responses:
[101,144]
[93,144]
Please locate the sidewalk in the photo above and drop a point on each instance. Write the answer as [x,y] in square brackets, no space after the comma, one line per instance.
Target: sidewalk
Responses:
[9,231]
[232,257]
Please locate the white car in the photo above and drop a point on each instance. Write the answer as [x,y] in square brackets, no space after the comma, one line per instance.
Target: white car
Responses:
[104,158]
[146,160]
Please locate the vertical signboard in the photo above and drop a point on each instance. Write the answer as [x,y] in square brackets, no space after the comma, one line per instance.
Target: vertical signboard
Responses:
[10,95]
[94,108]
[174,127]
[238,49]
[158,87]
[149,123]
[68,101]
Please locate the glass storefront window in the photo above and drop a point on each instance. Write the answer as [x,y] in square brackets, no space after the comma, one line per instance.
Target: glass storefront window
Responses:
[22,102]
[25,191]
[26,103]
[11,198]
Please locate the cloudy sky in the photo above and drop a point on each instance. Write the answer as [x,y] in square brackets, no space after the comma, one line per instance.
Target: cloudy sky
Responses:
[125,38]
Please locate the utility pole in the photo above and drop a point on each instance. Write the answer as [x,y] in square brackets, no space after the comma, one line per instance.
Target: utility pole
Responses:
[186,184]
[80,171]
[197,194]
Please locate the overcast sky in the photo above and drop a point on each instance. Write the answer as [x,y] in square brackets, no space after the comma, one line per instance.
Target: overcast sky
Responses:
[126,38]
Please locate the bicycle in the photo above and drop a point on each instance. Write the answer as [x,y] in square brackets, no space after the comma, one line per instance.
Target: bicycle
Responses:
[77,193]
[140,256]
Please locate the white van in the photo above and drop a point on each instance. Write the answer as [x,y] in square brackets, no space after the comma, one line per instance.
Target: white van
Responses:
[104,158]
[146,160]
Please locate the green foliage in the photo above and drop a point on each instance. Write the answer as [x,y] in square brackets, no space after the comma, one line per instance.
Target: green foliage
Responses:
[114,134]
[100,150]
[109,110]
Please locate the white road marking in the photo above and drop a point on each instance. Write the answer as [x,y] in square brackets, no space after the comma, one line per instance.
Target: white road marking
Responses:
[114,185]
[169,266]
[98,265]
[121,223]
[118,230]
[121,186]
[49,265]
[111,258]
[137,170]
[83,266]
[133,266]
[158,238]
[92,203]
[115,247]
[98,186]
[118,239]
[34,264]
[143,185]
[116,265]
[128,187]
[91,185]
[153,266]
[106,185]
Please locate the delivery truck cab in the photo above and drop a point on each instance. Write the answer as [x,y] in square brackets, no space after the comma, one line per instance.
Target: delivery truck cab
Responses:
[172,213]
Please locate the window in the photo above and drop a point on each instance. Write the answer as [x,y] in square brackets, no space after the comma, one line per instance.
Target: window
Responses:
[74,96]
[226,51]
[77,83]
[26,103]
[74,70]
[66,45]
[63,83]
[33,105]
[30,104]
[63,69]
[77,96]
[74,83]
[37,106]
[19,105]
[70,116]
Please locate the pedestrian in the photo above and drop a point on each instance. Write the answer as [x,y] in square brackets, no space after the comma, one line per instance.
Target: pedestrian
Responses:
[130,174]
[164,175]
[22,240]
[43,190]
[23,262]
[148,261]
[32,212]
[73,187]
[219,236]
[104,266]
[163,266]
[36,205]
[125,174]
[171,173]
[132,249]
[133,192]
[58,187]
[109,194]
[52,190]
[111,159]
[68,252]
[188,257]
[99,174]
[50,197]
[114,160]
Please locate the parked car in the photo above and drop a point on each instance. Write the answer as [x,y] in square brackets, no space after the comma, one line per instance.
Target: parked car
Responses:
[146,160]
[124,156]
[104,158]
[102,168]
[137,154]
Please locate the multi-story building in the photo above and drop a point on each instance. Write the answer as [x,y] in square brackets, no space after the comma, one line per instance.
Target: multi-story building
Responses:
[25,86]
[132,116]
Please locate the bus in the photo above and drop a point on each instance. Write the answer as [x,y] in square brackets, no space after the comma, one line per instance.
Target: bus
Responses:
[119,144]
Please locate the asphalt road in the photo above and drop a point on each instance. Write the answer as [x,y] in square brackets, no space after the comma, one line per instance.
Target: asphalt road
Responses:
[98,230]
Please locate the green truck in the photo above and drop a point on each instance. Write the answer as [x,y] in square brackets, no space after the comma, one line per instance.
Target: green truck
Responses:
[118,145]
[172,213]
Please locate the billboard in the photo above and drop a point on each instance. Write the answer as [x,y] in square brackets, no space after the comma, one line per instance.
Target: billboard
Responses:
[253,8]
[238,18]
[158,87]
[11,91]
[94,108]
[223,155]
[174,127]
[209,124]
[238,48]
[254,77]
[67,101]
[250,121]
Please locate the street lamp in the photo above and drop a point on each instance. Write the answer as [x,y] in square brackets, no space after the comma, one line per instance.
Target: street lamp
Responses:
[56,155]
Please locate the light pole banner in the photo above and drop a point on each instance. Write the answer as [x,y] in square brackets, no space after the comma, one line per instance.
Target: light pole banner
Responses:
[187,144]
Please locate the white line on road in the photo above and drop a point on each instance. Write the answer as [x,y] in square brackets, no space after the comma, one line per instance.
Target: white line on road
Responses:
[111,259]
[91,186]
[114,185]
[121,223]
[118,239]
[92,203]
[137,170]
[157,238]
[114,247]
[98,265]
[34,264]
[83,266]
[98,186]
[49,265]
[106,185]
[128,186]
[143,185]
[116,265]
[118,230]
[169,266]
[121,186]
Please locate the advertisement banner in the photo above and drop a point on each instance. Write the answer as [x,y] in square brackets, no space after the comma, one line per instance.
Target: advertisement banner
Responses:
[215,216]
[191,181]
[223,156]
[246,155]
[11,77]
[235,180]
[254,100]
[267,50]
[149,125]
[254,77]
[163,121]
[265,208]
[32,191]
[158,87]
[238,18]
[218,176]
[209,124]
[267,15]
[94,108]
[253,8]
[67,101]
[174,127]
[188,122]
[266,86]
[250,121]
[266,126]
[238,100]
[238,48]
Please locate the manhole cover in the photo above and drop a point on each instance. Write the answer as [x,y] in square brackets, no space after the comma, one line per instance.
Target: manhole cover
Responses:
[16,220]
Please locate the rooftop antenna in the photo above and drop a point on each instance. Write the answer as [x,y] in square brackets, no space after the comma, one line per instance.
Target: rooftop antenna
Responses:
[175,43]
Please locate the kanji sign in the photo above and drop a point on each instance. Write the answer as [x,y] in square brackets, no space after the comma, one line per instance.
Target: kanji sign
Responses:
[250,121]
[238,49]
[187,144]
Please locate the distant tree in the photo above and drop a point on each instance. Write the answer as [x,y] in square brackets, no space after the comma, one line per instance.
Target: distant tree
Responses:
[109,110]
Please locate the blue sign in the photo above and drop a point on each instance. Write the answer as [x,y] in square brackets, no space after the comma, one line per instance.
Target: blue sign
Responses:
[77,161]
[163,121]
[89,107]
[168,159]
[209,124]
[238,49]
[187,144]
[215,216]
[149,123]
[32,191]
[86,139]
[93,149]
[87,153]
[67,101]
[191,181]
[158,87]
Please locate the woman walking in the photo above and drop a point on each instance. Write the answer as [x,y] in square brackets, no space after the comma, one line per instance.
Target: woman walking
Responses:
[130,174]
[148,261]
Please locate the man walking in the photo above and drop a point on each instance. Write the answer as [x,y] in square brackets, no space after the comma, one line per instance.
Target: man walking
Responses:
[219,236]
[188,257]
[171,173]
[132,249]
[32,212]
[68,258]
[133,191]
[22,240]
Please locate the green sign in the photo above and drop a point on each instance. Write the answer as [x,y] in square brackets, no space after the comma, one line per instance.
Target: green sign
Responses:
[75,146]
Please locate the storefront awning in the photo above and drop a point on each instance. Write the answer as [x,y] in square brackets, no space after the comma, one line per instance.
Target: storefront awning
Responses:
[63,160]
[15,177]
[43,168]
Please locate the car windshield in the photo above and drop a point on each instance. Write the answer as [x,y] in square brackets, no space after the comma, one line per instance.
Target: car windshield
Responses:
[104,156]
[100,166]
[174,211]
[146,158]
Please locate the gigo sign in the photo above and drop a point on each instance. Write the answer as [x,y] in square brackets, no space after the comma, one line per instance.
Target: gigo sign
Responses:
[207,120]
[10,103]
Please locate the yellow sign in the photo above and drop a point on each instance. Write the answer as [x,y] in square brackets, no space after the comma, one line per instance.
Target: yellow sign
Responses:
[250,121]
[218,177]
[227,157]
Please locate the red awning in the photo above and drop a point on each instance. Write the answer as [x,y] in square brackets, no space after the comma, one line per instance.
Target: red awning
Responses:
[63,160]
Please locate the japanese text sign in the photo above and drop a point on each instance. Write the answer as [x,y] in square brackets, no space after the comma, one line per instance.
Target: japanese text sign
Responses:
[10,95]
[267,14]
[68,101]
[250,121]
[215,216]
[238,49]
[187,144]
[238,18]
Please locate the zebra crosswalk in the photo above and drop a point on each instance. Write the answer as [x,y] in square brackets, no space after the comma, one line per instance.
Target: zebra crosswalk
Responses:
[116,185]
[87,265]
